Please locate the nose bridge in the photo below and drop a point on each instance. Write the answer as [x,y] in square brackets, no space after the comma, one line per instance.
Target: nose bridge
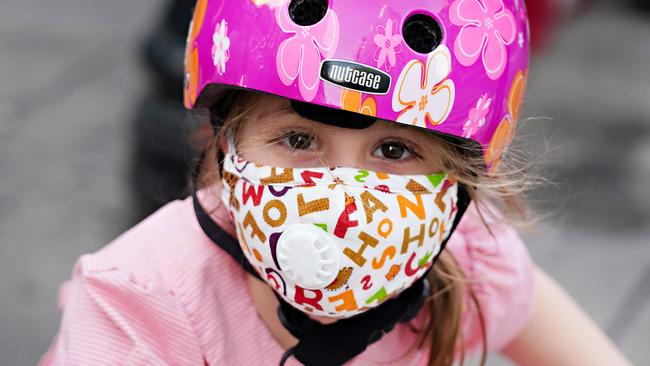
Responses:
[343,147]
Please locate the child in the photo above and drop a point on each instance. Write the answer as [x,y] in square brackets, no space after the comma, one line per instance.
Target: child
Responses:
[356,241]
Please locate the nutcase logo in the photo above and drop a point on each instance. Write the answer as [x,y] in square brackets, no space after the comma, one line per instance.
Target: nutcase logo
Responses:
[355,76]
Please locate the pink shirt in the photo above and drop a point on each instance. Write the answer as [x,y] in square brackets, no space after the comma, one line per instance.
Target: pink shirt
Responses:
[164,294]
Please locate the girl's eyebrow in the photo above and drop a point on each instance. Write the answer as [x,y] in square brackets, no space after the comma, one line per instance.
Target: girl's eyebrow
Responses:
[285,118]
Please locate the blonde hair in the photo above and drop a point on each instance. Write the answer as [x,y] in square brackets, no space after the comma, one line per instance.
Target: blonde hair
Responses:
[495,191]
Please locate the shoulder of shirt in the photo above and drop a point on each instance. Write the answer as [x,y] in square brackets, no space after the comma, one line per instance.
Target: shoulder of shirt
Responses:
[486,234]
[496,262]
[161,249]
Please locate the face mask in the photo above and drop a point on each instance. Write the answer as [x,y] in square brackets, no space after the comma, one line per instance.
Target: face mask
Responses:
[336,242]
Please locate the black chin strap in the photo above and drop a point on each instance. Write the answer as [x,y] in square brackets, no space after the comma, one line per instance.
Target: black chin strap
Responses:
[337,343]
[220,237]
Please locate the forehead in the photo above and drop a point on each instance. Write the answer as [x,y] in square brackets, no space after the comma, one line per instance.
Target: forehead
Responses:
[272,112]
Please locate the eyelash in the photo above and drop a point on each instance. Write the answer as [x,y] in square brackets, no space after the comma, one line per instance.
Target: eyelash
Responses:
[285,135]
[406,145]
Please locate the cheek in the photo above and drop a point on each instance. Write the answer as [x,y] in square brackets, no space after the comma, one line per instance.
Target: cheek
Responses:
[412,165]
[255,152]
[427,165]
[429,161]
[252,146]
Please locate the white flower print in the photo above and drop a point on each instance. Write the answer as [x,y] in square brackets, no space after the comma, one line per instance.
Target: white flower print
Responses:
[423,95]
[270,3]
[221,46]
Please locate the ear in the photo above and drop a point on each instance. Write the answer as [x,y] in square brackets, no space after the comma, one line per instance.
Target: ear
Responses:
[223,143]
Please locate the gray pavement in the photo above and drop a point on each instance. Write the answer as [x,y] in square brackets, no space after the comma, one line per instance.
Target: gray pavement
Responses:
[69,78]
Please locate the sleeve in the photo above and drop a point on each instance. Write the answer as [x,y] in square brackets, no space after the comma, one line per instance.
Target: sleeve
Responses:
[111,317]
[499,270]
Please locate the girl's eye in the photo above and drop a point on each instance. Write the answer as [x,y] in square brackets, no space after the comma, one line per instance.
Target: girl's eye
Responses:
[392,151]
[299,141]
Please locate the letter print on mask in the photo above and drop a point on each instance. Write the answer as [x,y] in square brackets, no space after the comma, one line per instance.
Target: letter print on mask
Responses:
[338,241]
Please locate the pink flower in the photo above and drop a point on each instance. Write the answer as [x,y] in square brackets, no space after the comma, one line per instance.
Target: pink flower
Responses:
[476,117]
[388,44]
[487,28]
[299,56]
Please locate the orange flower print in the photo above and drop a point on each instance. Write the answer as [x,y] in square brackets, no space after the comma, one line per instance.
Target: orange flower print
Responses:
[197,20]
[191,81]
[191,78]
[506,131]
[352,101]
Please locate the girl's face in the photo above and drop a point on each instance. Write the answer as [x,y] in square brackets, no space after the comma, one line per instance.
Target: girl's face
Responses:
[275,135]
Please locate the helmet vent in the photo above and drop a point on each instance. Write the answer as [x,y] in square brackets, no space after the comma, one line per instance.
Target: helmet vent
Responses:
[422,33]
[307,12]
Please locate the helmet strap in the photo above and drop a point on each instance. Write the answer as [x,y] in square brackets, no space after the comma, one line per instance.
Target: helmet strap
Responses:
[336,343]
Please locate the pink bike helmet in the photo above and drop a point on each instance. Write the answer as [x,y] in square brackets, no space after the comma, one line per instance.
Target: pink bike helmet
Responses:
[457,67]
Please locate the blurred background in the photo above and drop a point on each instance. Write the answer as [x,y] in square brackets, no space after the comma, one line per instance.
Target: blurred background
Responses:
[93,137]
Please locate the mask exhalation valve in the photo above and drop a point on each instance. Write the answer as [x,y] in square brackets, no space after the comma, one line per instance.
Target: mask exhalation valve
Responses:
[308,256]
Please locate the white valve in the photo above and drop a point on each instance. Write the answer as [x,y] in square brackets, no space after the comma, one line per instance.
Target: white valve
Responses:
[308,256]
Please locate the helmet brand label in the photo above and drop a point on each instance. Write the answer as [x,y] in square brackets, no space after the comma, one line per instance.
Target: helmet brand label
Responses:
[355,76]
